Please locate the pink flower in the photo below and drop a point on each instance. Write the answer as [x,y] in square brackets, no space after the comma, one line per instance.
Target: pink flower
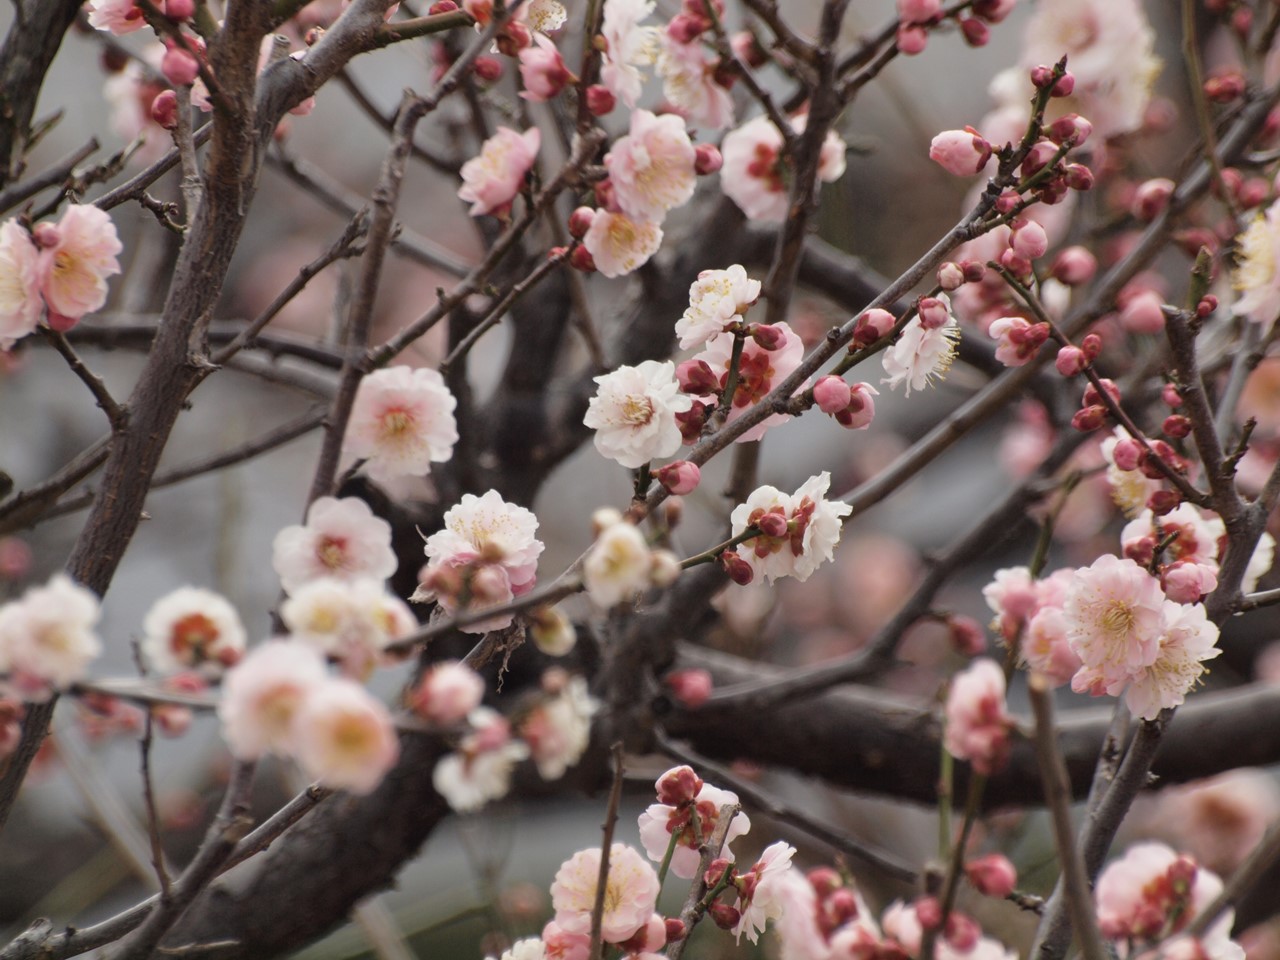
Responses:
[918,11]
[341,538]
[116,16]
[558,729]
[754,176]
[262,694]
[618,244]
[344,737]
[350,621]
[1115,617]
[962,152]
[661,821]
[480,770]
[47,638]
[1019,339]
[808,528]
[634,412]
[74,270]
[1012,597]
[19,284]
[688,74]
[492,180]
[977,722]
[446,693]
[920,354]
[762,897]
[1140,895]
[542,70]
[560,944]
[631,892]
[716,299]
[628,46]
[402,422]
[652,167]
[1046,648]
[759,371]
[192,627]
[1187,640]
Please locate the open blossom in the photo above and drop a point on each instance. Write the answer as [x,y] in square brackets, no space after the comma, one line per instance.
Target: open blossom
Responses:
[351,621]
[19,284]
[618,565]
[661,821]
[688,74]
[341,538]
[921,353]
[904,930]
[652,166]
[1018,339]
[74,270]
[47,638]
[1257,275]
[344,737]
[762,897]
[759,371]
[628,46]
[634,412]
[1220,820]
[977,721]
[716,298]
[530,948]
[799,531]
[1115,615]
[754,174]
[1188,639]
[631,892]
[542,70]
[446,693]
[618,244]
[557,729]
[401,422]
[192,627]
[480,769]
[1130,489]
[116,16]
[262,694]
[491,181]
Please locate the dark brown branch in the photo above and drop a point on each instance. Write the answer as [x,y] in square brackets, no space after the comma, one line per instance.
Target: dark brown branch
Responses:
[115,415]
[55,175]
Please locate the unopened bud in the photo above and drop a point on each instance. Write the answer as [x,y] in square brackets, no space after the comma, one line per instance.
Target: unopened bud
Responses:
[442,6]
[967,636]
[707,159]
[1074,266]
[950,276]
[739,570]
[1225,87]
[678,786]
[831,394]
[600,100]
[962,932]
[933,313]
[1092,396]
[769,337]
[1029,240]
[1065,85]
[697,377]
[747,48]
[1176,425]
[1079,177]
[993,875]
[552,631]
[680,477]
[1163,502]
[975,32]
[725,916]
[929,913]
[179,67]
[581,259]
[872,325]
[1072,127]
[1089,419]
[773,525]
[1127,453]
[1151,198]
[1092,346]
[1207,305]
[164,109]
[487,69]
[580,222]
[675,929]
[825,881]
[179,9]
[1170,395]
[974,270]
[691,688]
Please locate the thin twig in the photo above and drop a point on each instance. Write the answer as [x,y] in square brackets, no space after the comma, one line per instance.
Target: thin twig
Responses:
[694,909]
[1245,877]
[149,802]
[596,950]
[56,174]
[115,413]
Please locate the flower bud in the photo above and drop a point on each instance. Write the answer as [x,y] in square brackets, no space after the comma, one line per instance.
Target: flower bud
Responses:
[179,67]
[861,409]
[725,916]
[1092,346]
[831,394]
[664,568]
[607,196]
[1042,76]
[442,6]
[487,69]
[707,159]
[679,477]
[179,9]
[1163,502]
[825,881]
[950,276]
[769,337]
[678,786]
[1029,240]
[15,558]
[691,688]
[1225,87]
[684,28]
[1038,157]
[1017,265]
[1170,395]
[1253,193]
[581,259]
[747,49]
[773,525]
[967,636]
[912,39]
[992,875]
[962,932]
[1151,198]
[1079,177]
[552,632]
[697,377]
[872,325]
[675,929]
[1065,86]
[164,109]
[600,100]
[580,222]
[1144,313]
[1141,551]
[1091,394]
[1206,307]
[739,570]
[929,913]
[1127,453]
[975,32]
[1074,266]
[961,152]
[604,518]
[1089,419]
[1177,426]
[975,271]
[933,313]
[1072,127]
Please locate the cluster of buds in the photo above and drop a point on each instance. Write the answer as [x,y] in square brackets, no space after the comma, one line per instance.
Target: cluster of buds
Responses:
[1093,413]
[1247,192]
[181,62]
[1073,360]
[693,20]
[917,17]
[959,931]
[1129,454]
[851,405]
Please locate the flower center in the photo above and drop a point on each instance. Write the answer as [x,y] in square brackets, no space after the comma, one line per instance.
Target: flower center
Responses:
[637,410]
[1117,618]
[332,552]
[193,635]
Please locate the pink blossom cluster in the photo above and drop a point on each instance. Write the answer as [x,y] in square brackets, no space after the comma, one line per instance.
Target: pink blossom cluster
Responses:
[62,267]
[978,724]
[917,17]
[797,532]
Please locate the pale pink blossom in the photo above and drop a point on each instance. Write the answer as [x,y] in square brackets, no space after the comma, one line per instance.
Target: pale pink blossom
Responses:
[491,181]
[1018,339]
[652,166]
[661,821]
[631,892]
[47,637]
[628,46]
[754,175]
[551,631]
[759,371]
[618,565]
[480,769]
[902,924]
[716,299]
[688,74]
[344,737]
[350,621]
[562,945]
[619,245]
[634,412]
[921,353]
[446,693]
[1045,646]
[543,16]
[762,897]
[1115,617]
[19,284]
[341,538]
[262,694]
[809,528]
[1257,274]
[558,728]
[116,16]
[1187,639]
[192,627]
[1192,536]
[74,270]
[1013,598]
[1221,819]
[401,422]
[978,723]
[542,70]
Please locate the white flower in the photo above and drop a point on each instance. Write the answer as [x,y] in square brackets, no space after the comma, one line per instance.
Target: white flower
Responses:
[341,538]
[1187,640]
[490,528]
[531,948]
[766,902]
[192,627]
[1257,275]
[350,621]
[920,354]
[689,83]
[660,820]
[628,45]
[481,768]
[47,637]
[716,298]
[812,529]
[634,413]
[19,284]
[618,244]
[401,422]
[344,737]
[558,729]
[262,694]
[544,16]
[652,166]
[617,566]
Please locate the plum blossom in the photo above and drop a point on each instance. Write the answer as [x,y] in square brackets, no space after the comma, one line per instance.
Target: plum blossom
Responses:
[1187,640]
[762,898]
[759,371]
[1130,488]
[754,174]
[341,538]
[1221,819]
[262,694]
[631,892]
[716,299]
[962,152]
[902,923]
[557,729]
[447,693]
[530,948]
[689,82]
[73,269]
[401,422]
[1257,274]
[47,638]
[344,737]
[618,566]
[350,621]
[661,821]
[542,70]
[19,284]
[652,166]
[628,46]
[1018,339]
[116,16]
[1115,615]
[977,721]
[480,769]
[634,412]
[192,627]
[799,531]
[618,245]
[491,181]
[544,16]
[921,353]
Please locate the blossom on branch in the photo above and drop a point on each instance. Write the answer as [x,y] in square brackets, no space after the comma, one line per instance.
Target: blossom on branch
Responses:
[631,892]
[689,82]
[350,621]
[47,638]
[345,738]
[628,45]
[634,412]
[651,168]
[262,694]
[116,16]
[1115,615]
[660,822]
[716,299]
[1257,274]
[480,769]
[799,531]
[755,175]
[619,245]
[341,538]
[77,257]
[19,284]
[192,627]
[491,181]
[921,353]
[760,369]
[978,723]
[401,422]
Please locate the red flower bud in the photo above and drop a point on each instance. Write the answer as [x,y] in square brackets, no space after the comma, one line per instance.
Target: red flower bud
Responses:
[1090,418]
[690,687]
[164,109]
[581,259]
[992,875]
[1176,425]
[739,570]
[600,100]
[707,159]
[580,222]
[678,786]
